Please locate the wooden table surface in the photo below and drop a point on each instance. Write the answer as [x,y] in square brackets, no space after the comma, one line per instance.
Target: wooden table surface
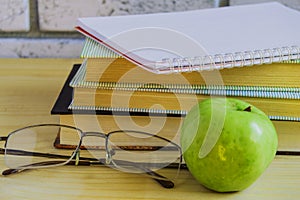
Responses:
[28,90]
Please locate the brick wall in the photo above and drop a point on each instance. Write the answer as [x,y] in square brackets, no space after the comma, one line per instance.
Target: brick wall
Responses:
[45,28]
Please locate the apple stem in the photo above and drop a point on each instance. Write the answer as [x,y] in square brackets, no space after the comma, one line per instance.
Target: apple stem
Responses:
[248,109]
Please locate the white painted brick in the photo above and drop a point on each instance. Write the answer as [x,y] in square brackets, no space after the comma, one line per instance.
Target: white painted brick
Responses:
[290,3]
[40,48]
[14,15]
[61,15]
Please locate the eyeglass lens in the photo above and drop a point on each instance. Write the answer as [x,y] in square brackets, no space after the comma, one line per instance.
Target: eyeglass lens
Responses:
[30,146]
[143,152]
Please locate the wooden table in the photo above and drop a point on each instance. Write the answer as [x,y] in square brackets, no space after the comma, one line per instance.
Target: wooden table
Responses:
[28,89]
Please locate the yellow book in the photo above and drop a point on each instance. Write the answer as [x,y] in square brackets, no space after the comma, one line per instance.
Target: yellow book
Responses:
[288,132]
[167,127]
[171,103]
[110,72]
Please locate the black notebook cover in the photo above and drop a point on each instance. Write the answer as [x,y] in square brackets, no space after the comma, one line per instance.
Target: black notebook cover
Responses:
[65,97]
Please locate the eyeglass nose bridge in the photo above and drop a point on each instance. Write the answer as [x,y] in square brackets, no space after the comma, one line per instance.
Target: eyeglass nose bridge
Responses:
[108,152]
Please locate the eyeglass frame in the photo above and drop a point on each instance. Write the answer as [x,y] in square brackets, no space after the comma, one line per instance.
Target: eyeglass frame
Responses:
[107,161]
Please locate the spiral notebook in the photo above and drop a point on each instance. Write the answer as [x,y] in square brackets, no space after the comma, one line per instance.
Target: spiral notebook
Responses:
[198,40]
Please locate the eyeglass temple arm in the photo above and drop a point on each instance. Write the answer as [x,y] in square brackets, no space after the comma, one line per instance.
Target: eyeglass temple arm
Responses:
[13,171]
[3,138]
[47,155]
[83,161]
[164,183]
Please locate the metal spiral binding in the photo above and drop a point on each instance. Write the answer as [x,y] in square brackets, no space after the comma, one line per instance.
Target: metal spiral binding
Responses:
[229,60]
[93,49]
[238,91]
[284,118]
[128,110]
[160,112]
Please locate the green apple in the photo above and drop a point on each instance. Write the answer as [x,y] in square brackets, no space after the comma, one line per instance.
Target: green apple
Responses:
[227,143]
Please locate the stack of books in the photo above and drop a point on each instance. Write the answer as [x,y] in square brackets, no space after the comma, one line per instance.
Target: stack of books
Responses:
[126,82]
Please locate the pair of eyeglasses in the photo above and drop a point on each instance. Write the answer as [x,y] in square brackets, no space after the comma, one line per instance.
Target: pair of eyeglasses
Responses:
[40,146]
